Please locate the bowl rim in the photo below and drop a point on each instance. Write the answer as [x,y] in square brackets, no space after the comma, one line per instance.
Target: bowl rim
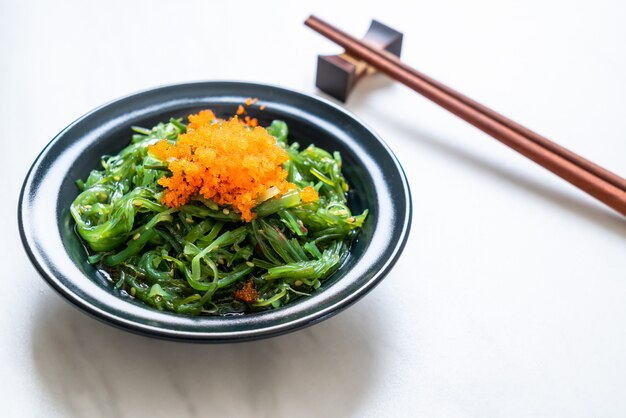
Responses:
[37,256]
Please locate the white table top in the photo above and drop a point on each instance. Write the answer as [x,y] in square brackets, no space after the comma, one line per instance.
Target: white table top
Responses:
[510,297]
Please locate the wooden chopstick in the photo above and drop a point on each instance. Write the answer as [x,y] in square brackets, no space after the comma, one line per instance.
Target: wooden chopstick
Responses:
[604,185]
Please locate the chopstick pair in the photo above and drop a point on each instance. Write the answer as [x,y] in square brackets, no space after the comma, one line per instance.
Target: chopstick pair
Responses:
[600,183]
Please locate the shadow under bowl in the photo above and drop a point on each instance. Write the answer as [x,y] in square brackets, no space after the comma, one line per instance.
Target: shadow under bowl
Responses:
[376,179]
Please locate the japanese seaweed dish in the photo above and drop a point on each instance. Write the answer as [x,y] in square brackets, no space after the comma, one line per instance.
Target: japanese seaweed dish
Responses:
[210,216]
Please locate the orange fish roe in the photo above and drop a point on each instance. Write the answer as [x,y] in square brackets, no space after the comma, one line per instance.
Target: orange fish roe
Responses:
[248,101]
[262,107]
[205,117]
[247,293]
[308,194]
[251,121]
[226,162]
[240,110]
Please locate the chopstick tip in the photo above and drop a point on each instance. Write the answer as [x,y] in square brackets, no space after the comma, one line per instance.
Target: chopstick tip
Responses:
[310,19]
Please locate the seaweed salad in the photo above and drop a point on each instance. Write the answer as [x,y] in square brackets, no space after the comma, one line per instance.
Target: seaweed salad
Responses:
[216,217]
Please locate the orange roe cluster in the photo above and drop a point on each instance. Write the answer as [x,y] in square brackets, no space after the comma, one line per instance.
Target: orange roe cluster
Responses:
[224,161]
[247,293]
[308,194]
[204,117]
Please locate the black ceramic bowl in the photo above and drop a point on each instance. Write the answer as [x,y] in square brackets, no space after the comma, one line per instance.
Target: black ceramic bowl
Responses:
[371,169]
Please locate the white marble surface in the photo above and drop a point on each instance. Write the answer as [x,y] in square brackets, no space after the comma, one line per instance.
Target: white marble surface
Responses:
[510,298]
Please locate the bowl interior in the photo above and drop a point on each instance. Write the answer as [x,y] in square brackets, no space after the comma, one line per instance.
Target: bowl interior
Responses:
[376,180]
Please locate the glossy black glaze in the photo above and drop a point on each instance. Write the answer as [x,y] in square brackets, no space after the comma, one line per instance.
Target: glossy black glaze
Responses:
[374,174]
